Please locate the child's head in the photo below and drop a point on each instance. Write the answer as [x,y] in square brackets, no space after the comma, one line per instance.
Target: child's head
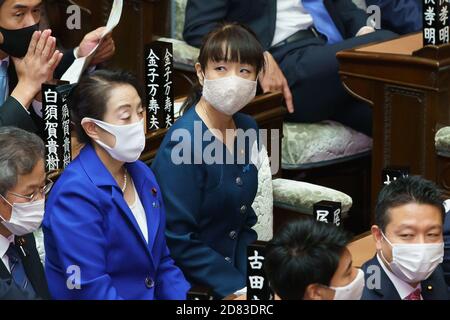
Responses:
[310,260]
[230,50]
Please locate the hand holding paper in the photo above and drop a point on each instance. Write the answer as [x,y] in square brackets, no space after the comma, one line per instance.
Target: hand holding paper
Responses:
[97,46]
[103,45]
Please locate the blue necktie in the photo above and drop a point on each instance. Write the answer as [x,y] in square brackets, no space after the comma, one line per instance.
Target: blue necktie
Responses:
[18,272]
[3,81]
[322,20]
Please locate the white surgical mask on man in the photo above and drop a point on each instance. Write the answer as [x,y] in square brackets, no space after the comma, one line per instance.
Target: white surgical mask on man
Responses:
[229,94]
[352,291]
[130,139]
[25,217]
[414,262]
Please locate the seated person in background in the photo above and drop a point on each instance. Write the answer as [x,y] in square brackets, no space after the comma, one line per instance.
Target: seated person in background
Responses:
[400,16]
[446,263]
[22,194]
[28,58]
[408,236]
[104,222]
[301,39]
[309,260]
[209,203]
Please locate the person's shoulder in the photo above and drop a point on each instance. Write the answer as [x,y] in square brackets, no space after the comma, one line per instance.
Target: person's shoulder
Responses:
[245,121]
[186,121]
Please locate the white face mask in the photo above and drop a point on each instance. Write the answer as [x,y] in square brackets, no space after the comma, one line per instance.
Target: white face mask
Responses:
[230,94]
[352,291]
[414,262]
[25,217]
[130,139]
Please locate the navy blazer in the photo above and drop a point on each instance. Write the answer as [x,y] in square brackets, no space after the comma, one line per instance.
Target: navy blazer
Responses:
[260,15]
[400,16]
[209,213]
[446,262]
[88,227]
[433,288]
[33,269]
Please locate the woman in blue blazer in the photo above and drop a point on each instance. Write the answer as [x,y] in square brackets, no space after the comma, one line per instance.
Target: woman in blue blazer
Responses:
[104,222]
[209,200]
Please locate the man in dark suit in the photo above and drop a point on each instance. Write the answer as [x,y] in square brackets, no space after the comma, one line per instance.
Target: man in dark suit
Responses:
[28,58]
[400,16]
[446,263]
[301,39]
[409,240]
[22,192]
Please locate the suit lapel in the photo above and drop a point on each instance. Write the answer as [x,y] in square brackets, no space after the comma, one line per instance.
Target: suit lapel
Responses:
[4,273]
[386,288]
[126,211]
[29,264]
[148,195]
[103,179]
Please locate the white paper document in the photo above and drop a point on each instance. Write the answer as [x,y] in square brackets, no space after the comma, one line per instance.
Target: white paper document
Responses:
[77,68]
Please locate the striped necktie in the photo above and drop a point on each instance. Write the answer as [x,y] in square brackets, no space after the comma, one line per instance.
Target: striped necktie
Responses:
[322,20]
[17,270]
[3,81]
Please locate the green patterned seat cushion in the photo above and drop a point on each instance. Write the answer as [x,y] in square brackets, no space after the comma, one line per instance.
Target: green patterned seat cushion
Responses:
[301,196]
[307,145]
[442,142]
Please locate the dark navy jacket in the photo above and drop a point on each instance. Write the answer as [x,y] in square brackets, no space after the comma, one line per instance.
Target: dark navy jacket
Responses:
[433,288]
[260,15]
[208,206]
[400,16]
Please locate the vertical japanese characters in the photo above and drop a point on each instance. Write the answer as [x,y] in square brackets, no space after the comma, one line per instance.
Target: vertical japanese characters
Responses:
[436,24]
[159,82]
[257,284]
[56,133]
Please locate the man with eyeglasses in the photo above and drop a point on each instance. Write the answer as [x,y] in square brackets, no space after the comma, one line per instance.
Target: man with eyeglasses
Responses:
[23,187]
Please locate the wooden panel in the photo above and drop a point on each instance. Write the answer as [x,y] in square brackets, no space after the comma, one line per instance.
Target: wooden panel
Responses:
[409,90]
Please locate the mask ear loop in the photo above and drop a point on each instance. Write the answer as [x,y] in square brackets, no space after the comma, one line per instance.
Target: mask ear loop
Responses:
[1,217]
[6,201]
[381,251]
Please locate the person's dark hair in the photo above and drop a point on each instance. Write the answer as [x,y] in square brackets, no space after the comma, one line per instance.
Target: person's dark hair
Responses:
[241,45]
[20,151]
[91,94]
[304,252]
[2,2]
[412,189]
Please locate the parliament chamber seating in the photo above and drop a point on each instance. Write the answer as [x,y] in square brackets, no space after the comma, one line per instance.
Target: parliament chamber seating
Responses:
[326,153]
[278,200]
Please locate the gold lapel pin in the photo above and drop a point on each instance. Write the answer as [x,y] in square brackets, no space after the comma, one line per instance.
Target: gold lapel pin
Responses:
[154,191]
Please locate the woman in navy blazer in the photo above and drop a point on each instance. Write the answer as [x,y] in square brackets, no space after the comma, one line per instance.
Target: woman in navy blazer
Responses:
[209,203]
[104,222]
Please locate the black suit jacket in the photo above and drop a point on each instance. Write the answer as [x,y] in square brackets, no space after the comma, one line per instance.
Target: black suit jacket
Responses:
[433,288]
[12,112]
[33,268]
[260,15]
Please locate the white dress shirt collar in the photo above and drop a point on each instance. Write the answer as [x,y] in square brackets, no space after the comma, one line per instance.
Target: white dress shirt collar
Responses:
[4,246]
[403,288]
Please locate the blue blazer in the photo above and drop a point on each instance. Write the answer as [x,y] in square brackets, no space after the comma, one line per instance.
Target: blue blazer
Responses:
[88,227]
[400,16]
[433,288]
[209,213]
